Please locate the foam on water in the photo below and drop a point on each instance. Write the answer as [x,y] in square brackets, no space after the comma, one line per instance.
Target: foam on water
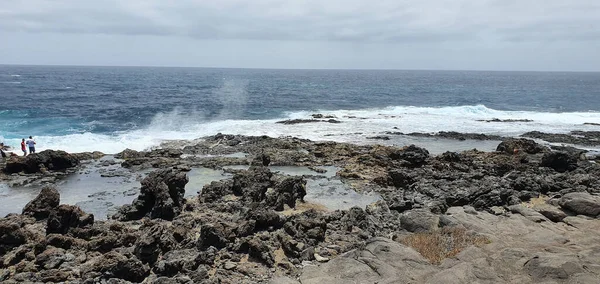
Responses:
[355,126]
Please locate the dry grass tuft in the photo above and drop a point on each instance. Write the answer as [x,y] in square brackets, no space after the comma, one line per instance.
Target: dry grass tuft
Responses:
[446,242]
[536,201]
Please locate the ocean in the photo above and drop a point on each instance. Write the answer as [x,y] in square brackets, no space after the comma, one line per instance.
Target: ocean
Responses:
[110,109]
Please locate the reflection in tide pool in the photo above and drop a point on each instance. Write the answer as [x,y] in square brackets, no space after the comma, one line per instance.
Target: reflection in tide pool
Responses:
[324,188]
[97,189]
[335,195]
[102,187]
[199,177]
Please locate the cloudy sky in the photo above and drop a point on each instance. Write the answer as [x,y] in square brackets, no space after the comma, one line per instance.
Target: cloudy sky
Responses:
[373,34]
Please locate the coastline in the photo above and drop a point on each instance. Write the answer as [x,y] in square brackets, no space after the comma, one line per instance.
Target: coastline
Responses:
[253,224]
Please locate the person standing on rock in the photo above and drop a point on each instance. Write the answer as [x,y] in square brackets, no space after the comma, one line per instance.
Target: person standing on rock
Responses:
[23,148]
[31,144]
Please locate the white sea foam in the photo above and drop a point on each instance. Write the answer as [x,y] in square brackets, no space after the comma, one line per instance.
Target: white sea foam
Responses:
[355,126]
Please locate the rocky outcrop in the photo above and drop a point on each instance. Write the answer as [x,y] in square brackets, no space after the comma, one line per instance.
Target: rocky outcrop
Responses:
[257,185]
[45,203]
[581,203]
[116,265]
[452,135]
[377,262]
[513,145]
[298,121]
[589,138]
[129,154]
[411,156]
[12,233]
[419,221]
[430,223]
[161,196]
[65,217]
[559,161]
[38,162]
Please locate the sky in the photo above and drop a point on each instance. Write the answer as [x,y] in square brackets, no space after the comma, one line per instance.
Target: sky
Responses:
[544,35]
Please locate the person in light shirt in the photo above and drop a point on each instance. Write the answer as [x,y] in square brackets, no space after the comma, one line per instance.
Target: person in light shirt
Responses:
[31,144]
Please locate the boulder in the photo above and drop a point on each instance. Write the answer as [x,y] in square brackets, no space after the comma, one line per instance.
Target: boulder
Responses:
[264,219]
[259,250]
[85,156]
[51,258]
[12,234]
[129,154]
[419,221]
[553,267]
[36,162]
[581,203]
[154,241]
[116,265]
[286,192]
[559,161]
[177,261]
[261,160]
[514,145]
[308,227]
[215,235]
[412,155]
[527,213]
[161,196]
[552,213]
[66,217]
[401,178]
[252,185]
[40,207]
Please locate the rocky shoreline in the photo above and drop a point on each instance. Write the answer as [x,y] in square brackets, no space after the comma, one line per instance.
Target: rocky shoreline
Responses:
[524,213]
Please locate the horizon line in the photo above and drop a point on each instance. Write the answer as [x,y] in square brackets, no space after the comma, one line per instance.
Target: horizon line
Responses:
[308,69]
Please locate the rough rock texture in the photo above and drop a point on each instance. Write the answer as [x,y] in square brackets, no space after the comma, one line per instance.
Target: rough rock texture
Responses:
[559,161]
[590,138]
[452,135]
[65,217]
[419,221]
[161,196]
[254,226]
[526,145]
[12,233]
[45,160]
[581,203]
[519,252]
[47,201]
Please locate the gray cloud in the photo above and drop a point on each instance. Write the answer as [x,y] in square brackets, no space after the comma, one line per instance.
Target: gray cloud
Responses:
[399,21]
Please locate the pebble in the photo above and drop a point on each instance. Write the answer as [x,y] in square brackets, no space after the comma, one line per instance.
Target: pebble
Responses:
[319,258]
[230,265]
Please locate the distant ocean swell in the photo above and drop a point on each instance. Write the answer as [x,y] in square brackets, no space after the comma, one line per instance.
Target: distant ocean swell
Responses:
[355,126]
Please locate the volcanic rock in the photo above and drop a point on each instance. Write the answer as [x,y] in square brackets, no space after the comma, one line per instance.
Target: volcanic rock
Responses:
[581,203]
[559,161]
[514,145]
[40,207]
[37,162]
[66,217]
[161,196]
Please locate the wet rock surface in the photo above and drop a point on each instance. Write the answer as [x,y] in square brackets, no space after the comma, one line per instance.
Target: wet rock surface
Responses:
[535,209]
[589,138]
[452,135]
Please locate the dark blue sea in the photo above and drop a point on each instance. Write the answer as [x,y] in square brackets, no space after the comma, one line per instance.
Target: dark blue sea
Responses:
[113,108]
